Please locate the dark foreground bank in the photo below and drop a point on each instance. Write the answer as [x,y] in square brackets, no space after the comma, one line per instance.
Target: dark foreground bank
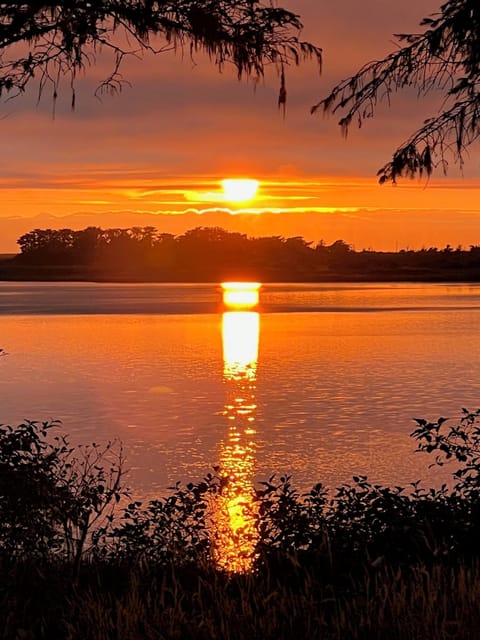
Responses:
[290,597]
[80,559]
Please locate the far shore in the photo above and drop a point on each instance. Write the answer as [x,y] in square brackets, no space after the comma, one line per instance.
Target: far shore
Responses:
[11,272]
[215,255]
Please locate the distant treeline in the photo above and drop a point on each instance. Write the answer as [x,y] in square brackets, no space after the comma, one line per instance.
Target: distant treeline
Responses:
[212,254]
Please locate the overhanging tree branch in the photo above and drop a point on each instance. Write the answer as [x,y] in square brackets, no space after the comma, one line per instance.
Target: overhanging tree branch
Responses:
[54,40]
[445,57]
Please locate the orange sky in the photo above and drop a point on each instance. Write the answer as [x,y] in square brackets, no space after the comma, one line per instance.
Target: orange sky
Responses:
[164,143]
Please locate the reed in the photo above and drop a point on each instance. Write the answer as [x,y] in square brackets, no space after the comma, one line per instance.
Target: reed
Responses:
[195,603]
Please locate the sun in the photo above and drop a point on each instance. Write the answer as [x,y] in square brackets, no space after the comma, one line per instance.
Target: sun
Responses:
[239,190]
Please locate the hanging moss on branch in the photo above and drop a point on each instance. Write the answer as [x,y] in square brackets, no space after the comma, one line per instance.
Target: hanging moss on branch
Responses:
[54,42]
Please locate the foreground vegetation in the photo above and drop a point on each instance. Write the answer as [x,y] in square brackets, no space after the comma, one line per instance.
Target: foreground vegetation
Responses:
[294,601]
[80,559]
[212,254]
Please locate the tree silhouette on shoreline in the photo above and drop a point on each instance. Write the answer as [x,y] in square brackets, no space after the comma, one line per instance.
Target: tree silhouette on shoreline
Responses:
[209,254]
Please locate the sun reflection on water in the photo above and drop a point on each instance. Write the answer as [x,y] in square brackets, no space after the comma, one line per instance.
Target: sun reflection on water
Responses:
[234,511]
[241,295]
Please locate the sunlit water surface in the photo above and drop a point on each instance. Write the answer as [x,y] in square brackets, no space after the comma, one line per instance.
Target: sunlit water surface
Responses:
[338,374]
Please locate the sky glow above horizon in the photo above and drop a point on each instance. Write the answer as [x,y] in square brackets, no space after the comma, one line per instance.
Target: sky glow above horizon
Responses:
[164,146]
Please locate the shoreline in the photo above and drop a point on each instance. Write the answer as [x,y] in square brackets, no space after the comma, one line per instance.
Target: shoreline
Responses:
[53,274]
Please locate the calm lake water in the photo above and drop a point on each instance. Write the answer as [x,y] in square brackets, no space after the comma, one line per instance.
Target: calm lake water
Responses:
[322,384]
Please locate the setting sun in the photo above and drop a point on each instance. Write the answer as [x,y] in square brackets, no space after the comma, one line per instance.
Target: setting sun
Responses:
[236,190]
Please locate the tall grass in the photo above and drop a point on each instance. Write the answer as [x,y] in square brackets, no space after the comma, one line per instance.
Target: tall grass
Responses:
[191,603]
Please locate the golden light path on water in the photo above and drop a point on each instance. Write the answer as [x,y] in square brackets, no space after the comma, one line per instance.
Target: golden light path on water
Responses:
[240,295]
[234,510]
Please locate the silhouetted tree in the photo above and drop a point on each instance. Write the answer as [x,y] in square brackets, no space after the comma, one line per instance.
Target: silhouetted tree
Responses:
[48,245]
[445,57]
[54,40]
[86,244]
[339,248]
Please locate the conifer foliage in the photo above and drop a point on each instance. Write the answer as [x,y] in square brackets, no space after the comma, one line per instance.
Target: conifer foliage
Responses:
[53,42]
[443,58]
